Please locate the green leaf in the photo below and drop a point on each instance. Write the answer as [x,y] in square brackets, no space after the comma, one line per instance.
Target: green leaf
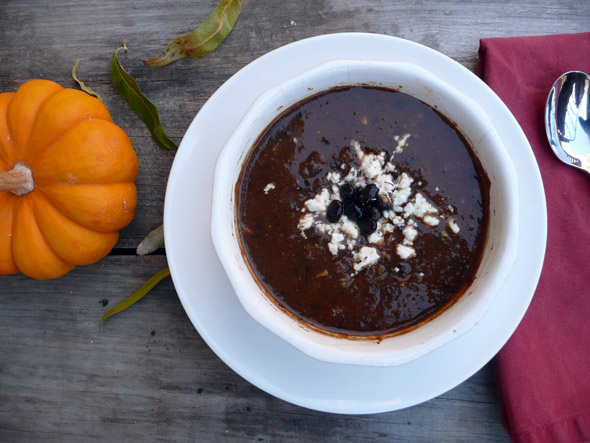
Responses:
[146,111]
[137,295]
[83,87]
[205,38]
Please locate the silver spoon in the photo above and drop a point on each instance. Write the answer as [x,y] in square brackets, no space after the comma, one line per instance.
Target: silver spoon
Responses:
[567,119]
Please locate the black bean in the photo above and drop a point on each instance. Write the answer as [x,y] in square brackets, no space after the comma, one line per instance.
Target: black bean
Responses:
[366,211]
[368,194]
[371,212]
[404,268]
[383,203]
[367,225]
[347,192]
[353,211]
[334,211]
[375,213]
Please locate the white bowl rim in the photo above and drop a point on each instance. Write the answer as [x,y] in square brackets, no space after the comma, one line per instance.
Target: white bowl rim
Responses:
[335,351]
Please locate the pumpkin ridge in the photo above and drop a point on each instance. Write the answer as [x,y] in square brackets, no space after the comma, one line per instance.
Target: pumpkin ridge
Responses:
[78,245]
[61,112]
[36,217]
[45,194]
[36,260]
[41,91]
[6,143]
[7,264]
[39,190]
[70,129]
[111,206]
[111,156]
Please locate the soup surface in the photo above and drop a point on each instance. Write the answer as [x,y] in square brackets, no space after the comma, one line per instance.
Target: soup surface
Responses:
[363,211]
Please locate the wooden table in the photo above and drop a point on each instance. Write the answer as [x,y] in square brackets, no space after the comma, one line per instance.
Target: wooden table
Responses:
[148,375]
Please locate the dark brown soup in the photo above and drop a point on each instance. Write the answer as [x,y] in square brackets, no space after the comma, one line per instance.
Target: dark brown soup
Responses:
[363,211]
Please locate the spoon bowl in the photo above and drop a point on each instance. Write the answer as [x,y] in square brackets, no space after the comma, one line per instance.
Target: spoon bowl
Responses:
[567,119]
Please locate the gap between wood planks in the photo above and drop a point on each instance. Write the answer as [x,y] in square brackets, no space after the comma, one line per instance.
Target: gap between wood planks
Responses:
[132,251]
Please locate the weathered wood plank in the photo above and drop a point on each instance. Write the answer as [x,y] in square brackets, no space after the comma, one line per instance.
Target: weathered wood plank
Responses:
[148,373]
[63,379]
[43,38]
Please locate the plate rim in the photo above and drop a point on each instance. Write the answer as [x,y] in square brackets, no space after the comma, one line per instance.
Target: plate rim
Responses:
[350,406]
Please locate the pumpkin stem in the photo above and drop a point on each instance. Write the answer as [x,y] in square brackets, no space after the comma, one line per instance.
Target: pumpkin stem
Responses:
[19,180]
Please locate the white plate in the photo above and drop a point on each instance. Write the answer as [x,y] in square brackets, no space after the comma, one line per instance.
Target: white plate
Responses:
[261,357]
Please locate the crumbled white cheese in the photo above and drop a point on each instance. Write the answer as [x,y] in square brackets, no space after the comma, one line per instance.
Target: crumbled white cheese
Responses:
[319,203]
[397,220]
[336,242]
[366,256]
[453,226]
[405,180]
[401,142]
[333,177]
[408,207]
[402,191]
[305,222]
[422,207]
[405,251]
[351,176]
[323,228]
[335,194]
[430,220]
[348,227]
[371,164]
[342,234]
[375,237]
[269,187]
[385,183]
[384,227]
[387,228]
[410,234]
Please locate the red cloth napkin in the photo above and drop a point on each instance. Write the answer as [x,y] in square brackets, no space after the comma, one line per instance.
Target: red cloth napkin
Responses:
[543,371]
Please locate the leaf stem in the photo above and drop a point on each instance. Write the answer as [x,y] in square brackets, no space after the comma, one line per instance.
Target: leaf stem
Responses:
[83,87]
[137,295]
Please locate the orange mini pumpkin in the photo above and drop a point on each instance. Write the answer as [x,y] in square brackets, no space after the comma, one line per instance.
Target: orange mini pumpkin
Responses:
[67,176]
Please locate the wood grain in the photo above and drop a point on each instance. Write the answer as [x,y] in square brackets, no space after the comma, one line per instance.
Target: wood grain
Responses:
[148,375]
[43,38]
